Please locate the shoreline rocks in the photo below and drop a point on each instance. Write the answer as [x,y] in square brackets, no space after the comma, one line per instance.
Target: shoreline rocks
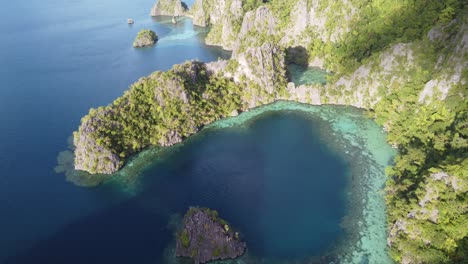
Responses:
[206,237]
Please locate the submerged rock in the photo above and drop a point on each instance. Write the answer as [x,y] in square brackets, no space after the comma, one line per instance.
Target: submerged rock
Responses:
[144,38]
[206,237]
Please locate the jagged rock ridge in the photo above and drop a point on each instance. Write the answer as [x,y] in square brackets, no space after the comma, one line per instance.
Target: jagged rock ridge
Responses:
[205,237]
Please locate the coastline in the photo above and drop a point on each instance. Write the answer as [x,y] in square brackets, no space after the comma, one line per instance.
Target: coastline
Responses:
[365,221]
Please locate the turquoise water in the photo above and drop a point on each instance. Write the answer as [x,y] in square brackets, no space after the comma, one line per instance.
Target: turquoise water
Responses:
[59,58]
[361,143]
[307,75]
[302,183]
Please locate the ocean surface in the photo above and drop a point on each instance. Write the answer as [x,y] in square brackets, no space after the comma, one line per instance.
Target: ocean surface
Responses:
[282,175]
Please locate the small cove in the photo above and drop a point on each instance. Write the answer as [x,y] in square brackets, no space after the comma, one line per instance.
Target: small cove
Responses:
[300,182]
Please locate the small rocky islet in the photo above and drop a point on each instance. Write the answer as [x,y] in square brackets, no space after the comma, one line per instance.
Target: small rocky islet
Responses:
[206,237]
[145,38]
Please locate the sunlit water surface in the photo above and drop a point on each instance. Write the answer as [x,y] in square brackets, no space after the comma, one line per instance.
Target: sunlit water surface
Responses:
[300,183]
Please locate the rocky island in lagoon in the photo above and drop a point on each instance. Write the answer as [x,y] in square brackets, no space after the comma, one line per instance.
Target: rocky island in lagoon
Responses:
[205,237]
[145,38]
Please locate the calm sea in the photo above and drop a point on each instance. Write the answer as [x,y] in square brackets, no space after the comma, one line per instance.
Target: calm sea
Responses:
[281,179]
[58,59]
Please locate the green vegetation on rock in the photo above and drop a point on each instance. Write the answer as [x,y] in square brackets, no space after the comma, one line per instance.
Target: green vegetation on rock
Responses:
[169,8]
[205,237]
[145,37]
[427,188]
[161,109]
[405,61]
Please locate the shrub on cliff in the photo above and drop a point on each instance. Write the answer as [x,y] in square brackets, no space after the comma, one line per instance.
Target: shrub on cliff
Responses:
[145,37]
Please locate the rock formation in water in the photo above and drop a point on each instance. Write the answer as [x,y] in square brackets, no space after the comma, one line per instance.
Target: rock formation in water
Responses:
[145,38]
[169,8]
[206,237]
[395,66]
[160,109]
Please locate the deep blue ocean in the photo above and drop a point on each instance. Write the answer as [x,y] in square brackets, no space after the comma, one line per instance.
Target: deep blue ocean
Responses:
[57,60]
[273,178]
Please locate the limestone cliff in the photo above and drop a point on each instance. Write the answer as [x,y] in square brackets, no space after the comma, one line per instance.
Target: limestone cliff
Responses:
[260,70]
[258,27]
[224,18]
[328,20]
[145,38]
[260,74]
[158,110]
[169,8]
[418,75]
[206,237]
[164,108]
[89,155]
[110,134]
[199,13]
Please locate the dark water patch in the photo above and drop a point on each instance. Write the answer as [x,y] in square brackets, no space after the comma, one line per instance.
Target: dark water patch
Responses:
[273,178]
[59,59]
[126,233]
[299,185]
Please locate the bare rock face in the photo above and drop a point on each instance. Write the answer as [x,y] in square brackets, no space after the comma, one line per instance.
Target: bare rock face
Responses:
[264,66]
[168,8]
[206,237]
[145,38]
[89,156]
[256,23]
[199,15]
[223,17]
[100,141]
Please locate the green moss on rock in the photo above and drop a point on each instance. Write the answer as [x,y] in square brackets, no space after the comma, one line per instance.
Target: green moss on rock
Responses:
[144,38]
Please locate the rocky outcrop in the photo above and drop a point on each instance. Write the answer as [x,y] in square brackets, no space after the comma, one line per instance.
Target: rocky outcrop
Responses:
[169,8]
[199,15]
[160,110]
[328,22]
[258,67]
[234,23]
[257,26]
[264,66]
[145,38]
[260,70]
[224,17]
[451,67]
[102,143]
[206,237]
[89,155]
